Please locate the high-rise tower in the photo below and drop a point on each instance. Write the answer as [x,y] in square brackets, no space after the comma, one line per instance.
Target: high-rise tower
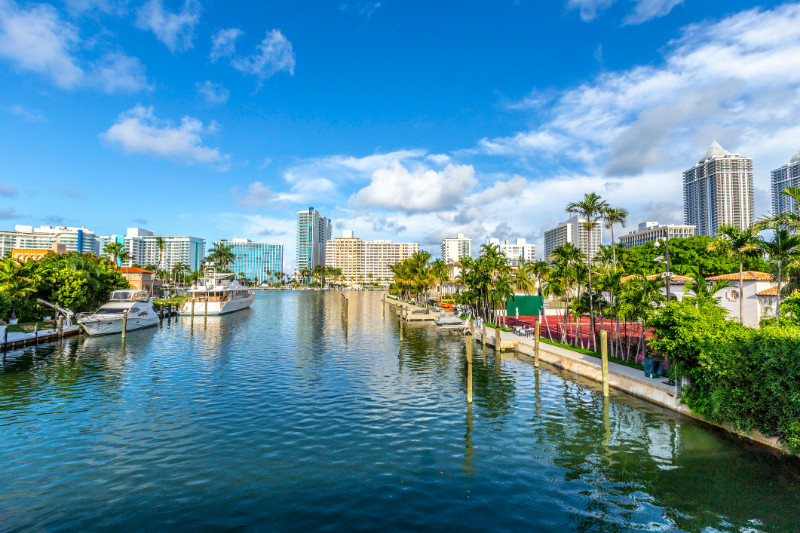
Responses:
[786,176]
[718,191]
[313,233]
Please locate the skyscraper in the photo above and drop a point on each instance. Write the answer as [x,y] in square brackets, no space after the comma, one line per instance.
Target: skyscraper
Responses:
[313,233]
[454,248]
[718,191]
[256,260]
[142,248]
[574,231]
[366,261]
[515,252]
[786,176]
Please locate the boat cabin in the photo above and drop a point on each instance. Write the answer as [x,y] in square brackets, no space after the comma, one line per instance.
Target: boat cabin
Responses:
[130,296]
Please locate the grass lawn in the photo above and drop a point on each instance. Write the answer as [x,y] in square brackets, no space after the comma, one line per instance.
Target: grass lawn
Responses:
[175,301]
[631,364]
[27,327]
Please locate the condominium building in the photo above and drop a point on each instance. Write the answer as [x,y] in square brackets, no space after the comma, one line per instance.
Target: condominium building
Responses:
[44,237]
[574,231]
[454,248]
[313,233]
[366,261]
[142,247]
[516,253]
[786,176]
[650,231]
[256,260]
[718,191]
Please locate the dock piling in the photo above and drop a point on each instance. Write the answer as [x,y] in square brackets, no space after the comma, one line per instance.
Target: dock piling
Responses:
[36,333]
[497,341]
[469,371]
[483,336]
[604,355]
[60,326]
[536,346]
[124,324]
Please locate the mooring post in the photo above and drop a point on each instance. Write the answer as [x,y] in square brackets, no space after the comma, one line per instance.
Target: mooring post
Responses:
[36,333]
[483,336]
[469,371]
[124,324]
[497,342]
[604,354]
[401,331]
[192,315]
[536,346]
[60,326]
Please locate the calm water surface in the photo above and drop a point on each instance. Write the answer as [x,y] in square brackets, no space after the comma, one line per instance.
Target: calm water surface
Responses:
[287,417]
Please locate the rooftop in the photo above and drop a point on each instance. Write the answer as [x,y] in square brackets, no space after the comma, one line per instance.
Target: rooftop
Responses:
[651,277]
[714,152]
[747,275]
[134,270]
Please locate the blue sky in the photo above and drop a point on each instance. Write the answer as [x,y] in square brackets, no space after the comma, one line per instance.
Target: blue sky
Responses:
[405,120]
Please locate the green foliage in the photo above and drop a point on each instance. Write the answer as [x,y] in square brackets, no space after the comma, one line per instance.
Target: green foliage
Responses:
[688,256]
[748,378]
[70,288]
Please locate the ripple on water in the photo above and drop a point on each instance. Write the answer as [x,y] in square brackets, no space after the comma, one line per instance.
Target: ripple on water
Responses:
[288,417]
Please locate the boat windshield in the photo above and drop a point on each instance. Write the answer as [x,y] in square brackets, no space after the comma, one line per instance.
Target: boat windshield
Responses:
[111,311]
[139,296]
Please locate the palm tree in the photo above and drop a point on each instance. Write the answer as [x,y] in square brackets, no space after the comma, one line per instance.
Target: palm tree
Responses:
[160,243]
[539,270]
[734,240]
[117,251]
[591,209]
[221,255]
[791,218]
[701,291]
[781,249]
[524,278]
[611,216]
[441,274]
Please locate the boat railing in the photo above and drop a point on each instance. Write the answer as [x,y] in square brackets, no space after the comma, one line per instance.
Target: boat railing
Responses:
[195,299]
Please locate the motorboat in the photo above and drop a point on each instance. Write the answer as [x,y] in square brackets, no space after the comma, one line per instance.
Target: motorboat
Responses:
[108,319]
[216,294]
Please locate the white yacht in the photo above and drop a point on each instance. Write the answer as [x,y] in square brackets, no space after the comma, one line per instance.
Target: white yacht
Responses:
[217,294]
[108,319]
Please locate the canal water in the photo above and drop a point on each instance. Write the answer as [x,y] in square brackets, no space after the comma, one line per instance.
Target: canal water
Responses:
[288,417]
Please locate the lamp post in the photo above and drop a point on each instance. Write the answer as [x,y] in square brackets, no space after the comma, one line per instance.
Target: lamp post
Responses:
[657,244]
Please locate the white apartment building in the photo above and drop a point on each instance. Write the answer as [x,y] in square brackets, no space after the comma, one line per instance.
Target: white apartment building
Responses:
[786,176]
[366,261]
[650,231]
[454,248]
[718,191]
[574,231]
[313,233]
[44,237]
[142,247]
[517,252]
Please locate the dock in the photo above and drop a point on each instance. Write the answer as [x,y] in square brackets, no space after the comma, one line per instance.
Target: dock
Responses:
[20,340]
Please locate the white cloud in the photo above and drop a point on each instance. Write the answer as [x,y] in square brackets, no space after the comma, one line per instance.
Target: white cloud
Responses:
[31,115]
[108,7]
[589,8]
[257,195]
[272,55]
[7,191]
[650,9]
[175,30]
[265,164]
[417,190]
[117,72]
[223,43]
[214,93]
[643,10]
[737,80]
[139,131]
[37,40]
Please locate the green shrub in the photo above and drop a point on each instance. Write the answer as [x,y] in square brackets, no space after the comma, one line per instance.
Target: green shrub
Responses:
[748,378]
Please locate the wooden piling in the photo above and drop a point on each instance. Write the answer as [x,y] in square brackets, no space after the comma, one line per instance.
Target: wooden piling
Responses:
[469,371]
[192,315]
[36,333]
[604,354]
[60,326]
[483,336]
[536,346]
[124,324]
[497,342]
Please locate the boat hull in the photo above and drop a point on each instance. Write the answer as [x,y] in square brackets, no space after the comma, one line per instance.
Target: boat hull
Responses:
[217,308]
[96,328]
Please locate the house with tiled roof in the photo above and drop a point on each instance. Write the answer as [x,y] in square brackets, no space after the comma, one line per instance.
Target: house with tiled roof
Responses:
[141,279]
[755,289]
[676,285]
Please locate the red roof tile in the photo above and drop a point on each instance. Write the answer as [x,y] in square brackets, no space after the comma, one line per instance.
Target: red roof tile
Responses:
[134,270]
[747,275]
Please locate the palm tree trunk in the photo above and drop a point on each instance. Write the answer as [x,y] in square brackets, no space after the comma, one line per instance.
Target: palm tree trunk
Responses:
[780,275]
[741,296]
[613,250]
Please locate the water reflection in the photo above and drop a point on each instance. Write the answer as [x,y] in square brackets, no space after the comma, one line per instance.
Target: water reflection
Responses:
[309,413]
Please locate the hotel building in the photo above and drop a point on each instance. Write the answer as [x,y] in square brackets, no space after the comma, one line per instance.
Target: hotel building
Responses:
[515,253]
[786,176]
[142,247]
[650,231]
[313,234]
[574,231]
[366,261]
[256,260]
[718,191]
[44,237]
[454,248]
